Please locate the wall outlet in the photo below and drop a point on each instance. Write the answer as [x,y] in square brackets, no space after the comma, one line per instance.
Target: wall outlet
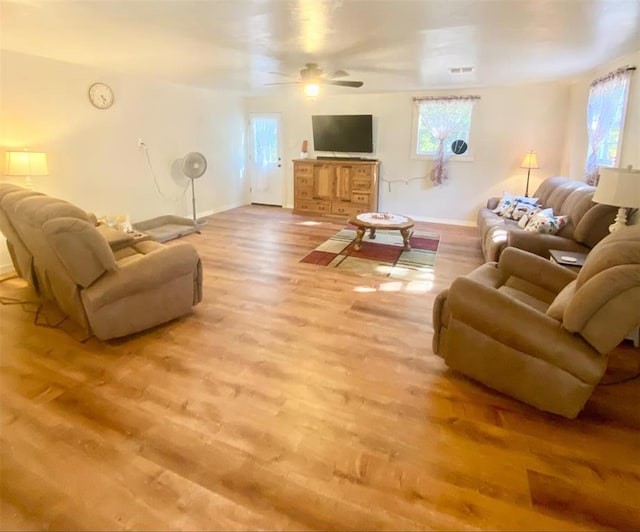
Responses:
[140,143]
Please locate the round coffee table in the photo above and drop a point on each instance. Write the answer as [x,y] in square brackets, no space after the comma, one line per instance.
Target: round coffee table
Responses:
[378,220]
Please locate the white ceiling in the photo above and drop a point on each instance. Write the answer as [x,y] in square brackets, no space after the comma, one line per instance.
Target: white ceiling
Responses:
[391,45]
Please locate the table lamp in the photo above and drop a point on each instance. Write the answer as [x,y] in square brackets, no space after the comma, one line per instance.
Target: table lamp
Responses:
[27,164]
[530,161]
[619,187]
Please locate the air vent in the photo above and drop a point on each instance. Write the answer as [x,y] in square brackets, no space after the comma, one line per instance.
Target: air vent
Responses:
[461,70]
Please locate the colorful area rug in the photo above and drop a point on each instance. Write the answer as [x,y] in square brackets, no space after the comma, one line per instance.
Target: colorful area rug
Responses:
[382,257]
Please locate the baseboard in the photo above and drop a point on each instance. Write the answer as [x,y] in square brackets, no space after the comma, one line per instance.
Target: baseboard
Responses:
[209,212]
[447,221]
[6,268]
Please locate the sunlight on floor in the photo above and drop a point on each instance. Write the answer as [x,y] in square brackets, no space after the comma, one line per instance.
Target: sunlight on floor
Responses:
[413,287]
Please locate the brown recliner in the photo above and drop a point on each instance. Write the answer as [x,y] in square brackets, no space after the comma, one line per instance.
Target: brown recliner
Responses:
[535,330]
[100,278]
[21,257]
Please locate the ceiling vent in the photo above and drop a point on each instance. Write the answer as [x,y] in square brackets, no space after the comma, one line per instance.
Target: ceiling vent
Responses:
[461,70]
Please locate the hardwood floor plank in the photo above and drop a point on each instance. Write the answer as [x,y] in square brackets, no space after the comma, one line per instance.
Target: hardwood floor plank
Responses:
[296,397]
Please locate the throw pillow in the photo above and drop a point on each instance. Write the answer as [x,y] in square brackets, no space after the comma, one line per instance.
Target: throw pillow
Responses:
[522,222]
[521,209]
[508,201]
[545,222]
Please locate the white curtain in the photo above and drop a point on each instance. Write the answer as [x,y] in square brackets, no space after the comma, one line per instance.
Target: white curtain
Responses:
[606,97]
[446,116]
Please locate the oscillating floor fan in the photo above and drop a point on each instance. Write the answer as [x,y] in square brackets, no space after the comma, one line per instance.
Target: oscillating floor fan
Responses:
[194,165]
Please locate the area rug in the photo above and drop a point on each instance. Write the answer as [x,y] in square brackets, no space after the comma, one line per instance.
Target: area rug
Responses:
[382,257]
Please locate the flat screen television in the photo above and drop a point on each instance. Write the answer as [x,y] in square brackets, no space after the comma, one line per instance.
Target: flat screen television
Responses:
[343,133]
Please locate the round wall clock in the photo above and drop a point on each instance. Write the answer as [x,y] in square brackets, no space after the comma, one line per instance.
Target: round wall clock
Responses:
[101,95]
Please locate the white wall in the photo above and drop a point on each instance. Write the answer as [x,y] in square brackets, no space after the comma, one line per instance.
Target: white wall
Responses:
[93,155]
[507,122]
[577,139]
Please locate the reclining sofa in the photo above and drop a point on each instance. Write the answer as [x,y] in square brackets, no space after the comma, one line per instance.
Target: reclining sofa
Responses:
[537,331]
[99,277]
[588,221]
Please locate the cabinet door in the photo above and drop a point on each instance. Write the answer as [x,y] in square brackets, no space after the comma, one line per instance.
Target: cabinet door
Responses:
[343,182]
[323,181]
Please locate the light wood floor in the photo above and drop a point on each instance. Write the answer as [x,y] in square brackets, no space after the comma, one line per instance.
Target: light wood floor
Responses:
[296,397]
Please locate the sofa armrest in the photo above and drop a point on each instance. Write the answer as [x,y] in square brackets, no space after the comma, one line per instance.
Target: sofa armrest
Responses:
[143,274]
[540,244]
[536,270]
[492,203]
[518,326]
[117,239]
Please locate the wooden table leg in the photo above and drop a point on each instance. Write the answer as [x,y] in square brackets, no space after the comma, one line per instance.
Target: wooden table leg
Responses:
[405,239]
[372,233]
[358,241]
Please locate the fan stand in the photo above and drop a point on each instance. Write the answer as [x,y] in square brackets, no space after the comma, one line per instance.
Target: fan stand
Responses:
[193,204]
[196,222]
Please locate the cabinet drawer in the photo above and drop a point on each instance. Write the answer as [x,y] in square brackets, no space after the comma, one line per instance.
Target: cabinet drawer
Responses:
[341,207]
[348,209]
[362,171]
[304,193]
[302,169]
[312,205]
[361,185]
[360,197]
[304,180]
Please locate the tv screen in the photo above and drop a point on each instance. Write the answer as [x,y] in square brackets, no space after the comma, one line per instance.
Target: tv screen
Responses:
[343,133]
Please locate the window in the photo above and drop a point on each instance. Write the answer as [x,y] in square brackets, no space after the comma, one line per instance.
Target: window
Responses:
[438,121]
[605,121]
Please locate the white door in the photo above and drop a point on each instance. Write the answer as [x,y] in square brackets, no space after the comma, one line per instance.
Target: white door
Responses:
[265,160]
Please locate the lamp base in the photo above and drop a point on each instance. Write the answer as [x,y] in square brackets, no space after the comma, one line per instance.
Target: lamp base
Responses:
[620,220]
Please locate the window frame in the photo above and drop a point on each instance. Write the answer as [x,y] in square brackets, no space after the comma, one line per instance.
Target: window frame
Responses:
[468,156]
[623,116]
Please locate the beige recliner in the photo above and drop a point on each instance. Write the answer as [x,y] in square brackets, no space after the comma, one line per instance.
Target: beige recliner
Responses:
[98,276]
[535,330]
[21,257]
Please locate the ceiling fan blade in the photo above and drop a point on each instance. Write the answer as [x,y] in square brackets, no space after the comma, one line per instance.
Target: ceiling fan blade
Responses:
[337,74]
[354,84]
[284,83]
[281,74]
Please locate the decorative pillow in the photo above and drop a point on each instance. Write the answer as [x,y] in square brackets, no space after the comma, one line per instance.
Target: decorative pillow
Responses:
[521,209]
[522,222]
[508,202]
[545,222]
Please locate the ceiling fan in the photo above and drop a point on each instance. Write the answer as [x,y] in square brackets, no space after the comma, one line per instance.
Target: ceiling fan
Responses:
[312,76]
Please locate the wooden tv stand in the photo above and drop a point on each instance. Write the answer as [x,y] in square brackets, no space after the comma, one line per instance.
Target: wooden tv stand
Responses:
[345,187]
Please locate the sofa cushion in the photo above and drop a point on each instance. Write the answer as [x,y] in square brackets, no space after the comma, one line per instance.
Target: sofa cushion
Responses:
[84,252]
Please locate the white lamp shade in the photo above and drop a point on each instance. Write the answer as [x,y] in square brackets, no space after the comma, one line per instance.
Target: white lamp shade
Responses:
[619,187]
[26,163]
[530,160]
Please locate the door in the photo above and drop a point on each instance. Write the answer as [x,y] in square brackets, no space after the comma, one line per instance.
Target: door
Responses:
[265,160]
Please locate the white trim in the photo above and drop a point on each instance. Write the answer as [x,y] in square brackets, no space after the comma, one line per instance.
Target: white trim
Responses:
[447,221]
[6,268]
[209,212]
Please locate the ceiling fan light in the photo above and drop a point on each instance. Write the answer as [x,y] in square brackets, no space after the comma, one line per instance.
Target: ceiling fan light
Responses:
[311,90]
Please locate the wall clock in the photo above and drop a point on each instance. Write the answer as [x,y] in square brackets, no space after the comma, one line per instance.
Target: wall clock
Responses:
[101,95]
